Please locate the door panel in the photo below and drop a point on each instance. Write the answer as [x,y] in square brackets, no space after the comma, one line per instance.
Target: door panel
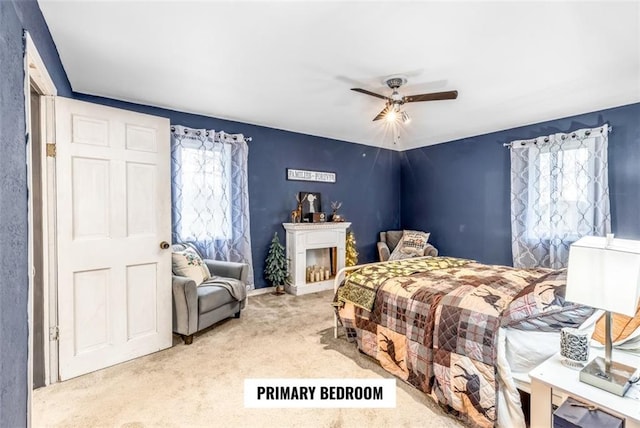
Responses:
[113,210]
[91,308]
[141,195]
[141,138]
[90,198]
[141,300]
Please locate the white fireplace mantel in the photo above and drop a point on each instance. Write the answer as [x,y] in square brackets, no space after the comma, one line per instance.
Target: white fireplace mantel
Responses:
[310,244]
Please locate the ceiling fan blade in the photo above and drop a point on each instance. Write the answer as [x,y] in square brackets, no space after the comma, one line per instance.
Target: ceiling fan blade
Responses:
[434,96]
[373,94]
[381,114]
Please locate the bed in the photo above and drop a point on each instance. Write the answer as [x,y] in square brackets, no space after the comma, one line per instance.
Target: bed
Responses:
[450,327]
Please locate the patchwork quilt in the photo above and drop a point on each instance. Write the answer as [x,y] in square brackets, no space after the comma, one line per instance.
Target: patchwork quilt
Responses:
[360,286]
[436,327]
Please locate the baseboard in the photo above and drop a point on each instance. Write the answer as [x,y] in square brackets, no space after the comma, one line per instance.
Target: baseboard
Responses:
[259,291]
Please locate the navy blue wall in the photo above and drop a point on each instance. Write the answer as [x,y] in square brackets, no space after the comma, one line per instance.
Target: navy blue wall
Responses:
[368,179]
[14,17]
[460,191]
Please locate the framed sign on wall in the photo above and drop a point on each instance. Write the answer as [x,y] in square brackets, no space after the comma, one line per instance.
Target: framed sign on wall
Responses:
[304,175]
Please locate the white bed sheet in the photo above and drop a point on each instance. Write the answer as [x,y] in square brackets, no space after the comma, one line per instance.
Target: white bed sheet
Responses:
[527,349]
[509,407]
[519,352]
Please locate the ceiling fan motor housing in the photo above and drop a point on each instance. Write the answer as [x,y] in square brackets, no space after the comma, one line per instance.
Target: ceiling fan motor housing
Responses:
[395,82]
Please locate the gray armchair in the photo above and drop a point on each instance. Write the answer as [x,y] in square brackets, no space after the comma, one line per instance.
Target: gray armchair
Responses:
[198,307]
[389,240]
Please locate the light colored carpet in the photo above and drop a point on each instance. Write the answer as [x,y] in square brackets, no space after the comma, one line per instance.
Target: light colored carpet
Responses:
[202,384]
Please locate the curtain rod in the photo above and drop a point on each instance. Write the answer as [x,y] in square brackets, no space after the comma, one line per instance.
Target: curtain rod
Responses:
[546,139]
[235,137]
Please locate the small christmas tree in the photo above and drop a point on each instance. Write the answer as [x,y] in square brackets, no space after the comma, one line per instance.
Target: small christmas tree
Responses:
[276,268]
[351,252]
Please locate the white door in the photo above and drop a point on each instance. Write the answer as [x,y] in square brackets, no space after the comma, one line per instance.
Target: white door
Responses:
[113,211]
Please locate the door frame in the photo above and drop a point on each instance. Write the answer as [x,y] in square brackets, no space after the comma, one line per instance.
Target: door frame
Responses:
[36,76]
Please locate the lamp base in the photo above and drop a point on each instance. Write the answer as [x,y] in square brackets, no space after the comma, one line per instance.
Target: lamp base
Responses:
[615,381]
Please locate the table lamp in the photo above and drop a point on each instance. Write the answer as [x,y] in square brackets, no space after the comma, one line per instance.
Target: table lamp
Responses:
[604,273]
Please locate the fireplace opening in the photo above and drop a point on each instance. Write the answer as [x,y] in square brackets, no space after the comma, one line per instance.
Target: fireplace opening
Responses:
[321,264]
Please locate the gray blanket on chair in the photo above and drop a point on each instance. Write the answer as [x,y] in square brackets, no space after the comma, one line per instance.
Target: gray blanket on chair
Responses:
[235,287]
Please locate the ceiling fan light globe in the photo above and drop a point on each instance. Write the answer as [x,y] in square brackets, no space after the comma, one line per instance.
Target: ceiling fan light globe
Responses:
[391,116]
[405,117]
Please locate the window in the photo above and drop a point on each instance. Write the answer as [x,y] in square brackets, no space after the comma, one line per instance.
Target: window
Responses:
[563,183]
[206,205]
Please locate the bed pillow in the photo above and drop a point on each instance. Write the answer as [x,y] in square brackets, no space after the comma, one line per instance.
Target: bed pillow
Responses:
[623,327]
[412,244]
[189,264]
[541,306]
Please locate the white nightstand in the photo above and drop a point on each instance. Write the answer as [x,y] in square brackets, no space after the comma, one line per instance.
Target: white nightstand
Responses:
[552,379]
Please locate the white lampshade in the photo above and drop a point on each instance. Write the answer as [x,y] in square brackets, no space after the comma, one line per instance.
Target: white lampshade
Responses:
[605,274]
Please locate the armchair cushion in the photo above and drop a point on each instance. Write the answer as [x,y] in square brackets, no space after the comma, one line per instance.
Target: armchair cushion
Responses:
[189,264]
[211,297]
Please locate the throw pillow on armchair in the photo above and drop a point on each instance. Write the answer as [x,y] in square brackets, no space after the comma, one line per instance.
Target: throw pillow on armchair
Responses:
[189,264]
[412,244]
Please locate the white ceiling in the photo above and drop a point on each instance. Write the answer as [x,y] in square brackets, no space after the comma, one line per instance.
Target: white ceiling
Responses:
[290,65]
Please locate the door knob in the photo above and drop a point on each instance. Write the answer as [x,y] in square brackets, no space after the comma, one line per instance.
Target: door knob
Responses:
[164,245]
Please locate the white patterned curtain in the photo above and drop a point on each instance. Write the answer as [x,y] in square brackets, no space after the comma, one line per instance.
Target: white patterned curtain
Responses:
[559,193]
[209,194]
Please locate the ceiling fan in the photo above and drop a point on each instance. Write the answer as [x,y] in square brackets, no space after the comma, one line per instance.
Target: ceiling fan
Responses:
[391,111]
